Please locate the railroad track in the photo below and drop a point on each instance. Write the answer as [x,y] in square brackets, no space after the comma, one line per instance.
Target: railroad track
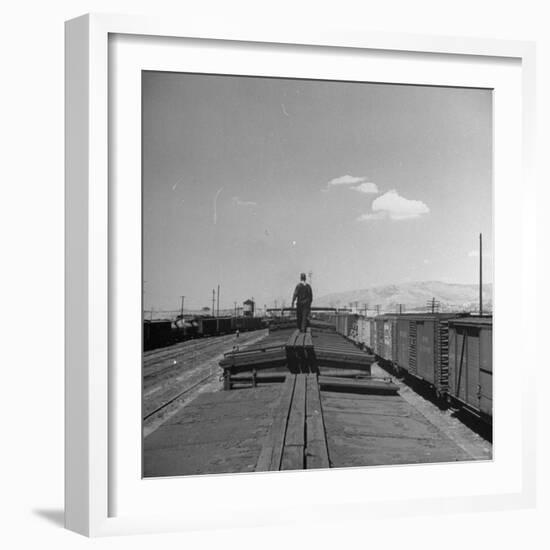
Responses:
[150,358]
[179,395]
[173,366]
[161,363]
[169,382]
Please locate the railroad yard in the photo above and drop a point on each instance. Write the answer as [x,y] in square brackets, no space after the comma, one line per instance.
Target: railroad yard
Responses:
[175,375]
[278,399]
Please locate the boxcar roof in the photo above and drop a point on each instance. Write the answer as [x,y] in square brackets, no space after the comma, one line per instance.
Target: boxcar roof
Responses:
[472,321]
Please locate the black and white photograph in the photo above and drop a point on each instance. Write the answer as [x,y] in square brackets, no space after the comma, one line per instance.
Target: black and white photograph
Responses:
[317,274]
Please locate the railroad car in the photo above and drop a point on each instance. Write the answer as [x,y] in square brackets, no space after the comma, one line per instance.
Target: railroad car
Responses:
[372,335]
[363,332]
[214,326]
[206,326]
[386,342]
[422,348]
[224,325]
[156,333]
[471,365]
[345,323]
[244,324]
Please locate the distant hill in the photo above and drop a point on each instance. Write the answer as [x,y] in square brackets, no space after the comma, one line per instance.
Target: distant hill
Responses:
[413,296]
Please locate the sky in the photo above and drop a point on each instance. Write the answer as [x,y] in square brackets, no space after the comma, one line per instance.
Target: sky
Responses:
[249,181]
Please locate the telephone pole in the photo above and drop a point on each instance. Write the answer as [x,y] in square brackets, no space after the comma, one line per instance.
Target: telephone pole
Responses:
[213,302]
[433,305]
[218,305]
[182,301]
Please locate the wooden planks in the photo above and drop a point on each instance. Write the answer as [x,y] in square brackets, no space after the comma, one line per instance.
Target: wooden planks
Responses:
[350,385]
[293,454]
[297,439]
[272,449]
[316,453]
[293,338]
[299,352]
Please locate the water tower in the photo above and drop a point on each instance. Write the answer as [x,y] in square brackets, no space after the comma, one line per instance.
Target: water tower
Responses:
[248,308]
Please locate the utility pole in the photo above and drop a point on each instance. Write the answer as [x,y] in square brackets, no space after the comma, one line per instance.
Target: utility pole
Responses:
[378,309]
[182,301]
[480,274]
[218,308]
[433,305]
[235,304]
[213,302]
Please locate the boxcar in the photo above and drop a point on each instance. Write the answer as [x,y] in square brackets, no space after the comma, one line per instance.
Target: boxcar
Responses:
[471,364]
[403,356]
[385,338]
[156,333]
[207,326]
[363,331]
[253,323]
[422,347]
[372,335]
[345,322]
[223,325]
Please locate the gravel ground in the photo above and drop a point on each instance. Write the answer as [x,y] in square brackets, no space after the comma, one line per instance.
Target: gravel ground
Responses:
[468,440]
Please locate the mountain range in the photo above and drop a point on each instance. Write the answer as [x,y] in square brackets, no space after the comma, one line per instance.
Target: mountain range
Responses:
[413,296]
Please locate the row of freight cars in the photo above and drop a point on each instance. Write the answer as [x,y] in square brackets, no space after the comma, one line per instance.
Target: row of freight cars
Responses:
[451,353]
[164,332]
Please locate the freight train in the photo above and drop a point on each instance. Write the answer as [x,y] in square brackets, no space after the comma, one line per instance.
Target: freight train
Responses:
[447,352]
[164,332]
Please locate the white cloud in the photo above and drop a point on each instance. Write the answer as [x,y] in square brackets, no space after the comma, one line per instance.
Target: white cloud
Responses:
[238,202]
[376,216]
[366,187]
[346,180]
[396,207]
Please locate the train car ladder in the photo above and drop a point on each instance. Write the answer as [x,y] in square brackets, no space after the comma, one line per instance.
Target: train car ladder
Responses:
[412,347]
[442,350]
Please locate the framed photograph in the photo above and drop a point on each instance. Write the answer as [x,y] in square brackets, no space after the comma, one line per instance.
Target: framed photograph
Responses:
[290,263]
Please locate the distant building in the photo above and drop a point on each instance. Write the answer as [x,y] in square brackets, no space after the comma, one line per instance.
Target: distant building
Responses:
[248,308]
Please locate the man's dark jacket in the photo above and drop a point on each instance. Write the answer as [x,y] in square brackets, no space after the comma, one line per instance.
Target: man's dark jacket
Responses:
[303,294]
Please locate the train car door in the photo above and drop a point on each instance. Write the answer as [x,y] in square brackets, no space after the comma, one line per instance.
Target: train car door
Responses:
[426,346]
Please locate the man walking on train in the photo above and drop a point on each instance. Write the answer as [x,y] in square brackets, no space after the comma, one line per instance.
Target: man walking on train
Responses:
[303,296]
